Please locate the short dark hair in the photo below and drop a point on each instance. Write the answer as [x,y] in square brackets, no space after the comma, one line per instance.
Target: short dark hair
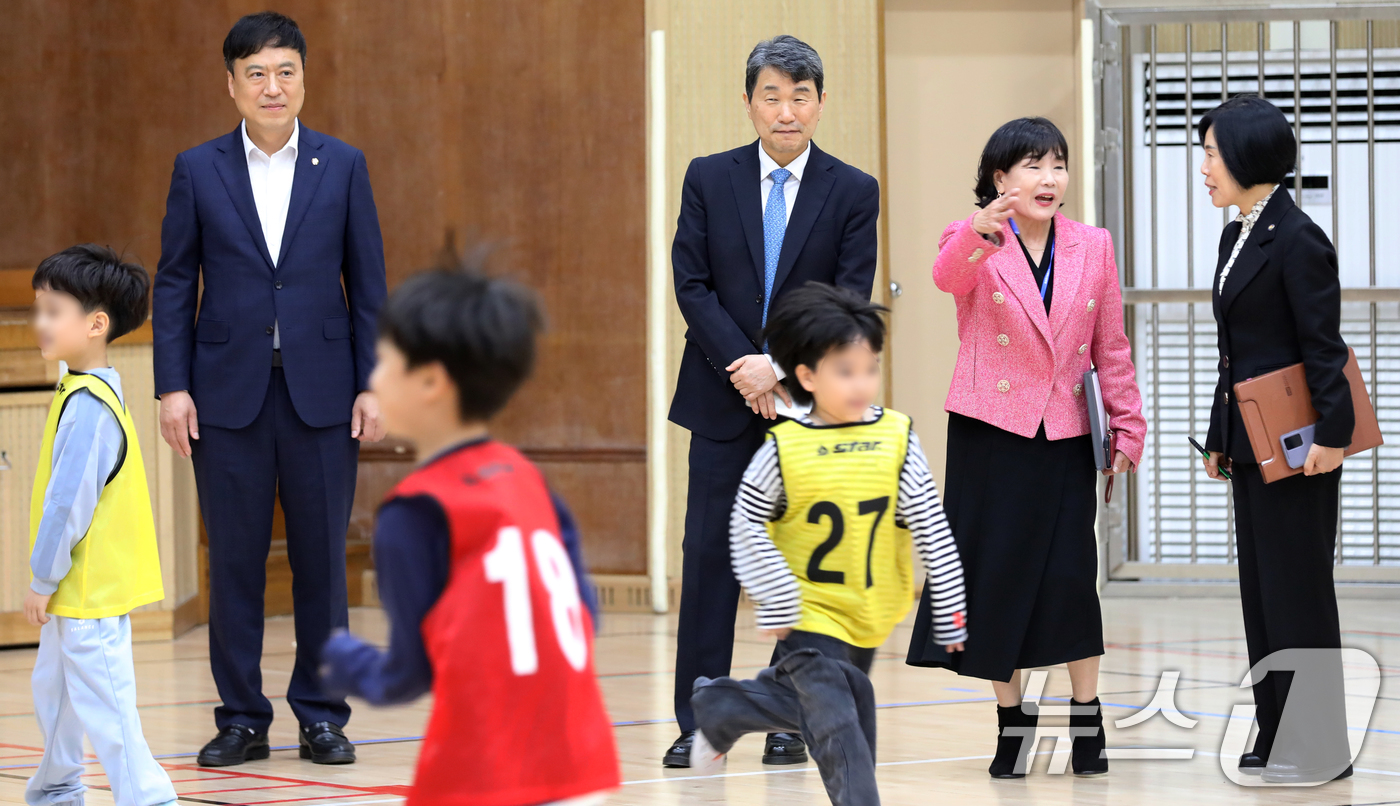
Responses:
[1254,139]
[99,279]
[788,55]
[266,29]
[481,329]
[811,321]
[1020,139]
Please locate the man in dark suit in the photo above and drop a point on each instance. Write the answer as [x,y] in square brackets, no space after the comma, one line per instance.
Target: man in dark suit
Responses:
[755,222]
[263,378]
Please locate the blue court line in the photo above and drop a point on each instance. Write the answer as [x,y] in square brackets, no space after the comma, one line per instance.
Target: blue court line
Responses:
[1217,716]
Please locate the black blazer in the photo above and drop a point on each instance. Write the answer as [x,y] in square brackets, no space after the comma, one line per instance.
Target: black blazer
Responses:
[717,259]
[1282,305]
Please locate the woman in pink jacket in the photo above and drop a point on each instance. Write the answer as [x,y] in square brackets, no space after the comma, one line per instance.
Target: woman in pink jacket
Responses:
[1038,304]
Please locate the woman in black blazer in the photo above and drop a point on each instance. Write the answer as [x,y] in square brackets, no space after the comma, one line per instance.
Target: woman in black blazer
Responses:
[1277,301]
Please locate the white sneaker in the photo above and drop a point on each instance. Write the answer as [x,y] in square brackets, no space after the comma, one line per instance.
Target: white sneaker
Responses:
[704,758]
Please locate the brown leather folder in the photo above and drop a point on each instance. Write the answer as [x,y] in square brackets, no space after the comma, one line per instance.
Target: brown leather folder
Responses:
[1275,404]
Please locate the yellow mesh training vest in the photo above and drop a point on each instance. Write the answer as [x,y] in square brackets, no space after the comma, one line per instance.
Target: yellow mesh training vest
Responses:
[838,534]
[116,567]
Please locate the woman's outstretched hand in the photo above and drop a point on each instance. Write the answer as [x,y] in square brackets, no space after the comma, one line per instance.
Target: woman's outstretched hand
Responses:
[989,219]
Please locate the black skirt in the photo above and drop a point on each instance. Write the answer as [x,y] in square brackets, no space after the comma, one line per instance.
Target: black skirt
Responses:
[1022,513]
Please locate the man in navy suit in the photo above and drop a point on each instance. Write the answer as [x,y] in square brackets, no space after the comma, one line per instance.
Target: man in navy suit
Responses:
[263,377]
[755,222]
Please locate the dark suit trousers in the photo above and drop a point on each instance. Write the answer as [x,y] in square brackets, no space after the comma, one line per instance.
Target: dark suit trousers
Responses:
[1286,535]
[709,591]
[239,474]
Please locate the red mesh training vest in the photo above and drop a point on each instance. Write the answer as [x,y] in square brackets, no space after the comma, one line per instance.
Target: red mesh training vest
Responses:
[517,716]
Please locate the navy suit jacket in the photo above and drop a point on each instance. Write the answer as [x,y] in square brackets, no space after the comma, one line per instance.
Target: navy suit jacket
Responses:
[324,292]
[717,259]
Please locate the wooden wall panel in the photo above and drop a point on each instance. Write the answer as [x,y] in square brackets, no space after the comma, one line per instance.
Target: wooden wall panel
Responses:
[520,124]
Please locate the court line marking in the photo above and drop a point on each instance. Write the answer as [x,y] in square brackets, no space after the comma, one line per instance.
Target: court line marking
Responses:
[812,768]
[641,722]
[1158,646]
[1199,654]
[804,768]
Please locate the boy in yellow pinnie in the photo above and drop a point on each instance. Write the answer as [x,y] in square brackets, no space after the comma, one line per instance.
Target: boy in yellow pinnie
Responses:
[828,515]
[92,537]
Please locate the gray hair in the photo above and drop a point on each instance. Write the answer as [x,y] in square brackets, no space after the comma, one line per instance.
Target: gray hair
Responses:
[787,54]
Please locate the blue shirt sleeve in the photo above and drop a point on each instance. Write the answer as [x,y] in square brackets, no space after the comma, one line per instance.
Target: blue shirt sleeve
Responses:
[86,447]
[412,559]
[568,533]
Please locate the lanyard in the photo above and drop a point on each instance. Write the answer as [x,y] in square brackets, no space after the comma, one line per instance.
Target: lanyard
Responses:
[1049,266]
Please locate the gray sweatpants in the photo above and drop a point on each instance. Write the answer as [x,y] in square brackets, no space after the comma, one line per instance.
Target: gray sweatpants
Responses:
[814,690]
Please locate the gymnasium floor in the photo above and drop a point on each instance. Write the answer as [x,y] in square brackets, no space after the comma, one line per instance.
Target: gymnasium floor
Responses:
[936,730]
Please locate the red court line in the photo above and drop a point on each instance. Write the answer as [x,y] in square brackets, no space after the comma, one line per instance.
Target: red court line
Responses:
[358,789]
[300,800]
[1371,632]
[241,789]
[22,747]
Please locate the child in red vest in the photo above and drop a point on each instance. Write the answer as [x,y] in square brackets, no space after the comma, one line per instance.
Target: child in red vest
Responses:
[477,565]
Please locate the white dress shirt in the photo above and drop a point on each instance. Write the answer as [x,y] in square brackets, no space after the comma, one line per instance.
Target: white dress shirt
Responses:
[271,177]
[766,166]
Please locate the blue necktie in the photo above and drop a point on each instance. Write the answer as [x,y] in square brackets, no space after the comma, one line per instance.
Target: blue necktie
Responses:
[774,226]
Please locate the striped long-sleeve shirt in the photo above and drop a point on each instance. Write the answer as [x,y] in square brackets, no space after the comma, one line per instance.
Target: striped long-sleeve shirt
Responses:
[765,575]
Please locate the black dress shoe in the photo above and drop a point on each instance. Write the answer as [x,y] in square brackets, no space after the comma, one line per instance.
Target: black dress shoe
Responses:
[1252,763]
[679,754]
[784,748]
[325,743]
[235,744]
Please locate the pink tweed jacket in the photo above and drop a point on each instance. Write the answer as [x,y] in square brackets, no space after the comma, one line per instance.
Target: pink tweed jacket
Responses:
[1017,366]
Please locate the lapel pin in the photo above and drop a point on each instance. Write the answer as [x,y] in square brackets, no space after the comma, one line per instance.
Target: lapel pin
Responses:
[315,161]
[1271,227]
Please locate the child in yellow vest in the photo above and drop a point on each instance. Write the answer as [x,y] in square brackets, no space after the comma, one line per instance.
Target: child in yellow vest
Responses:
[92,537]
[820,539]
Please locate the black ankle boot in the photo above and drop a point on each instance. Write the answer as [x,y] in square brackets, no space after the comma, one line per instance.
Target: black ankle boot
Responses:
[1088,756]
[1014,749]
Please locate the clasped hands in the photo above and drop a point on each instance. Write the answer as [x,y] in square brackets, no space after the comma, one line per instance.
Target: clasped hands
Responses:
[755,379]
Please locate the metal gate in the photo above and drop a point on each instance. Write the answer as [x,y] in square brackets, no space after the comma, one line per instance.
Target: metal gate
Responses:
[1335,73]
